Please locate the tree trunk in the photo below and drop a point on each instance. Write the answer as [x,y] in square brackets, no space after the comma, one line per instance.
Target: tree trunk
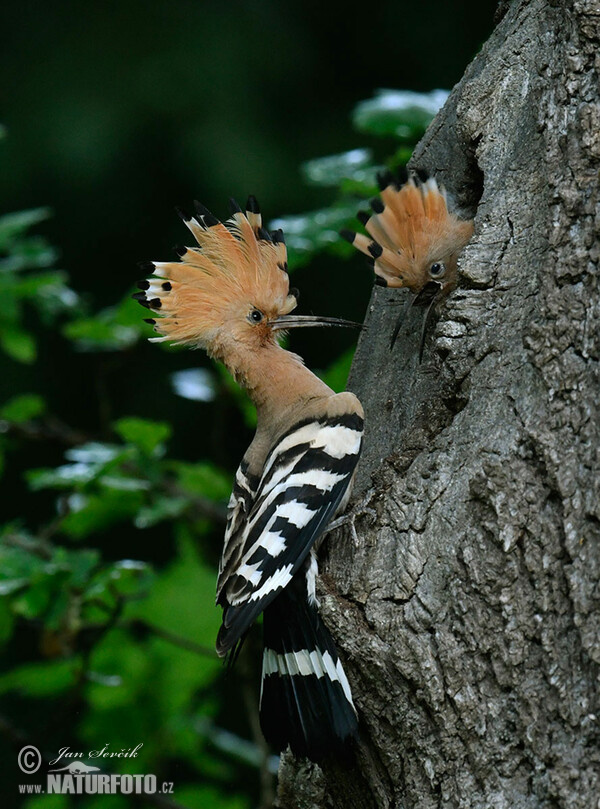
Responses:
[467,614]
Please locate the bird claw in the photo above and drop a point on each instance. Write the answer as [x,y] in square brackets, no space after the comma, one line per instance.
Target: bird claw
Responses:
[350,518]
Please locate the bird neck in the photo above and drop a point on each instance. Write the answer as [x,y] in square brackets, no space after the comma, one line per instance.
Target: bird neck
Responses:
[277,381]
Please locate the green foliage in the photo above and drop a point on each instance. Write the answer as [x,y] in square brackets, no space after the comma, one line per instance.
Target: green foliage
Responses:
[148,671]
[109,483]
[202,479]
[349,170]
[147,436]
[309,233]
[22,408]
[401,114]
[69,592]
[113,329]
[25,281]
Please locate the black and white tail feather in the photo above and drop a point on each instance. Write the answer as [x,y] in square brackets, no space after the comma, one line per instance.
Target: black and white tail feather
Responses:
[267,566]
[305,699]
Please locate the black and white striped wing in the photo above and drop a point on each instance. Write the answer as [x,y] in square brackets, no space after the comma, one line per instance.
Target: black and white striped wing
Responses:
[305,477]
[238,509]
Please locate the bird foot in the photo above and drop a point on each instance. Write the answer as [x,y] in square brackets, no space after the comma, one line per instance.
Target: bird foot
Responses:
[360,510]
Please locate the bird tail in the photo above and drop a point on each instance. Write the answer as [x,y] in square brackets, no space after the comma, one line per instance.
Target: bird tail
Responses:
[410,224]
[306,701]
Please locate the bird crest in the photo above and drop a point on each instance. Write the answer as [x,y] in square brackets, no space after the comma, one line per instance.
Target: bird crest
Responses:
[237,272]
[414,239]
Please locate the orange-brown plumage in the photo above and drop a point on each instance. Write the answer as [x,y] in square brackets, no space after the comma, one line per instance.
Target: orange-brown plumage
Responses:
[230,295]
[413,236]
[209,295]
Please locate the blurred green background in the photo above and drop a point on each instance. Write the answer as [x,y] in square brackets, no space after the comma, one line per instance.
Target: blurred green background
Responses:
[117,455]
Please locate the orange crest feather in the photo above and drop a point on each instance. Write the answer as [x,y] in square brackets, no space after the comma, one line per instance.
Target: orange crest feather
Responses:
[236,266]
[411,230]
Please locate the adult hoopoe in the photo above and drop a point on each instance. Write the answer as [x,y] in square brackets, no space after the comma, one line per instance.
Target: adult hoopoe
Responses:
[414,239]
[230,295]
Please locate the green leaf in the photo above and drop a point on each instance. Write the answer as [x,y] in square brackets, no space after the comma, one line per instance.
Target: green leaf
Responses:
[332,170]
[63,477]
[130,577]
[43,588]
[15,224]
[182,601]
[145,434]
[29,252]
[162,508]
[81,563]
[18,564]
[50,802]
[48,291]
[96,452]
[29,286]
[39,679]
[97,512]
[10,586]
[398,113]
[57,297]
[96,333]
[17,343]
[23,408]
[113,329]
[311,232]
[130,313]
[36,598]
[202,478]
[124,483]
[91,461]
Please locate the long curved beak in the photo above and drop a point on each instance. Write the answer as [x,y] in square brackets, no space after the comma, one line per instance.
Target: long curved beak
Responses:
[306,321]
[429,292]
[425,297]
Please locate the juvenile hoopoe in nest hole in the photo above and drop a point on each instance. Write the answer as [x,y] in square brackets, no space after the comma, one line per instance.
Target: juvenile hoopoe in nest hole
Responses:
[230,296]
[414,239]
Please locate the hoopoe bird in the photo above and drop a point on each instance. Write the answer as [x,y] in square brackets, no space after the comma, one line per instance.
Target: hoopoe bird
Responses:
[414,238]
[230,295]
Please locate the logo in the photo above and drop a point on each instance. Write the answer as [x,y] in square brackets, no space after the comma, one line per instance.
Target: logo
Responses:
[77,767]
[78,778]
[29,759]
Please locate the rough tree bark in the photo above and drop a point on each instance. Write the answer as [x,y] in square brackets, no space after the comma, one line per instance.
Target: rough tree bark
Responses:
[468,614]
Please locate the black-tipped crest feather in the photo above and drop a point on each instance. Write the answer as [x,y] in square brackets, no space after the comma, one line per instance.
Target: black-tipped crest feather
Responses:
[182,214]
[252,205]
[385,178]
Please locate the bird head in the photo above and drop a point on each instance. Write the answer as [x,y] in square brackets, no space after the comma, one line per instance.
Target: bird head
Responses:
[414,240]
[231,292]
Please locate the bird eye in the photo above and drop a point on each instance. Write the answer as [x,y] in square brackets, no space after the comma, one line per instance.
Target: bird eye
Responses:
[255,316]
[437,269]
